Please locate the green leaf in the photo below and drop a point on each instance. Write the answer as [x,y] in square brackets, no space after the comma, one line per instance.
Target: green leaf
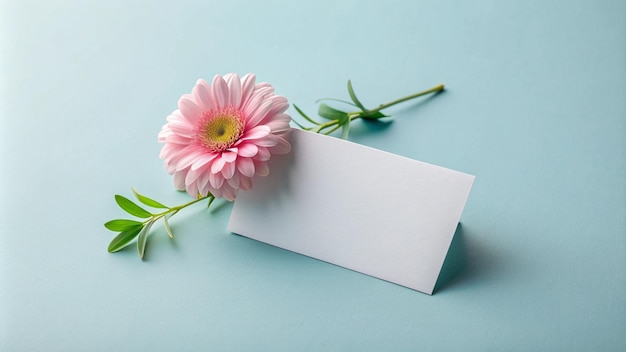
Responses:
[167,227]
[373,116]
[122,224]
[147,201]
[305,116]
[131,208]
[329,113]
[337,100]
[353,96]
[123,238]
[345,129]
[143,239]
[211,199]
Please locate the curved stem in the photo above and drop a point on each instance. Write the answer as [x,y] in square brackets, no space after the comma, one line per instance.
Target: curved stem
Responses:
[330,123]
[334,124]
[434,89]
[177,208]
[335,128]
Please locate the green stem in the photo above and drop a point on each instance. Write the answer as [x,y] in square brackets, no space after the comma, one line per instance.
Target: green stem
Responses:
[334,124]
[434,89]
[335,128]
[177,208]
[325,125]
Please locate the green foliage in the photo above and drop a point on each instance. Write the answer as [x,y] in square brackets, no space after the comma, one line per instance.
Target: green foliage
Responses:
[121,224]
[329,113]
[131,229]
[148,201]
[305,115]
[341,119]
[123,238]
[354,98]
[131,208]
[168,229]
[142,239]
[373,115]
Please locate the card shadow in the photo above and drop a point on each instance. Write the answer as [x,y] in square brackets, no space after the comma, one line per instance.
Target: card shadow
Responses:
[466,261]
[455,263]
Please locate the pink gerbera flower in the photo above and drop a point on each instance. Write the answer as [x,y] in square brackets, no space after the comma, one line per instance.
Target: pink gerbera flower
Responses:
[223,134]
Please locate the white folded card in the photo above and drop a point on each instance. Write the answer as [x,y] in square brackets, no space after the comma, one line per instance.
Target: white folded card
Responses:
[367,210]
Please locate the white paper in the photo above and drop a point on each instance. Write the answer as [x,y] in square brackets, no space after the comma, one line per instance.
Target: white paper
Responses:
[357,207]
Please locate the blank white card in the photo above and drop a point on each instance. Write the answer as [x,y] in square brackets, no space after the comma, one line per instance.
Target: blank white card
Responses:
[374,212]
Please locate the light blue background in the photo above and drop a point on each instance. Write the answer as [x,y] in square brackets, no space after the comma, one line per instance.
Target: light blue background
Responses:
[534,107]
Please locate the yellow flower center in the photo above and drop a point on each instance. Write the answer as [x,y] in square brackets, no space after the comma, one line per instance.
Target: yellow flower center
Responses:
[221,130]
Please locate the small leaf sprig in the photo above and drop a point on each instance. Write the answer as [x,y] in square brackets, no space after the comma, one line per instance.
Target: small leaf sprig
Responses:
[129,229]
[342,119]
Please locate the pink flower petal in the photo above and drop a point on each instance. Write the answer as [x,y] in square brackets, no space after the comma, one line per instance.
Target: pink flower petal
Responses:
[278,126]
[281,117]
[264,89]
[228,170]
[279,105]
[256,116]
[228,76]
[202,95]
[188,158]
[245,166]
[247,87]
[233,181]
[172,152]
[217,192]
[256,133]
[234,87]
[218,165]
[247,150]
[173,138]
[203,192]
[263,154]
[283,146]
[229,193]
[203,181]
[191,177]
[171,169]
[219,88]
[229,156]
[167,149]
[216,180]
[252,104]
[165,132]
[245,183]
[176,115]
[189,109]
[267,141]
[192,189]
[179,180]
[203,159]
[182,128]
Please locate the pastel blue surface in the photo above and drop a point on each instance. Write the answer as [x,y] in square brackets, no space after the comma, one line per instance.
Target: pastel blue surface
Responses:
[534,107]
